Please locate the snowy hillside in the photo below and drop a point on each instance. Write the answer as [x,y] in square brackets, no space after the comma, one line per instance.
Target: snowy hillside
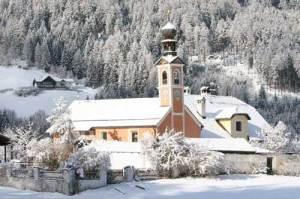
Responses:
[13,78]
[242,72]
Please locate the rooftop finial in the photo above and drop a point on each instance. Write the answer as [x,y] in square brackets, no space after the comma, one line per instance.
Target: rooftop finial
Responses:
[169,15]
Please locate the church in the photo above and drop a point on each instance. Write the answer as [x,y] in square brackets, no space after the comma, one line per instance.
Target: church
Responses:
[197,116]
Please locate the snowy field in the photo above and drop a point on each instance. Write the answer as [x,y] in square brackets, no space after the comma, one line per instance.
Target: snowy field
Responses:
[12,78]
[223,187]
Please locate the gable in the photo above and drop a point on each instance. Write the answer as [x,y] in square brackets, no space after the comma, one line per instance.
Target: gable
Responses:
[169,60]
[162,61]
[177,61]
[49,79]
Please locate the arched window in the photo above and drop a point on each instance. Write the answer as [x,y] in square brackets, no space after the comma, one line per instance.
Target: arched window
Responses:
[164,78]
[176,77]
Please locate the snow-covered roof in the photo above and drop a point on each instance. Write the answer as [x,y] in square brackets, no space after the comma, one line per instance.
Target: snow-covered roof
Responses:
[46,76]
[169,26]
[228,113]
[54,78]
[117,112]
[216,105]
[223,145]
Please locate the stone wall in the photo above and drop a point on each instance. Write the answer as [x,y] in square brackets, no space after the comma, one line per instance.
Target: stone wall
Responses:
[287,165]
[49,181]
[282,164]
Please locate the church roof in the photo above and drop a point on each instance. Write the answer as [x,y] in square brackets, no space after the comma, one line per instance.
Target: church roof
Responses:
[4,140]
[136,112]
[117,113]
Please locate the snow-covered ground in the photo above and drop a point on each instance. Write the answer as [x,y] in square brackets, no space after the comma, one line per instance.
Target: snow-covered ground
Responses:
[12,78]
[222,187]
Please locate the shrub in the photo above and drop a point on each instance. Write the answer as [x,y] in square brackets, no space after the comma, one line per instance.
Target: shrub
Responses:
[90,159]
[173,156]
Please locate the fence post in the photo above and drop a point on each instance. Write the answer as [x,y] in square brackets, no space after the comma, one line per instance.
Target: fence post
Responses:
[103,177]
[36,173]
[8,171]
[128,173]
[69,181]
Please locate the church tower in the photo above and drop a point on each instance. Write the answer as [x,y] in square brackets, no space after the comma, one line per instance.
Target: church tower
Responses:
[170,78]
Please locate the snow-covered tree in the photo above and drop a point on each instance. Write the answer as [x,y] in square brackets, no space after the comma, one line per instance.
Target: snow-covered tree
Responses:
[277,138]
[21,137]
[61,122]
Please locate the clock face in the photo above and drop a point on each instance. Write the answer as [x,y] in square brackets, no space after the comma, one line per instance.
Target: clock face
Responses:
[177,95]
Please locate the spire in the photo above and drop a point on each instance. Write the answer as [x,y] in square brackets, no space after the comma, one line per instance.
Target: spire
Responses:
[169,39]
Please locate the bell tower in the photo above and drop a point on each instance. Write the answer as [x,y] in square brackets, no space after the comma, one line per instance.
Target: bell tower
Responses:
[170,77]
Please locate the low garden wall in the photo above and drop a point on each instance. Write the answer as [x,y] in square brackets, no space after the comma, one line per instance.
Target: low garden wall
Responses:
[36,179]
[278,164]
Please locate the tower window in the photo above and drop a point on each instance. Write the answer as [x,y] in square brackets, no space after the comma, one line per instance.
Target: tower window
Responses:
[238,126]
[176,77]
[164,78]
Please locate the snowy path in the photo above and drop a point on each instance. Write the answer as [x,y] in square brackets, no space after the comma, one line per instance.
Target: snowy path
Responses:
[223,187]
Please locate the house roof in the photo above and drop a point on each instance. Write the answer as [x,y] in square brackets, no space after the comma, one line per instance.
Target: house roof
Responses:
[117,113]
[228,113]
[54,78]
[4,140]
[224,145]
[216,105]
[45,77]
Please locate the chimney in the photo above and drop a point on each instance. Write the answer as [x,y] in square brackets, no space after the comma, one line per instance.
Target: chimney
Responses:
[201,106]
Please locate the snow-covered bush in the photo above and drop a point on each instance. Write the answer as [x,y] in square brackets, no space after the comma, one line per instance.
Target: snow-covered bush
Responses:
[167,152]
[55,155]
[48,154]
[90,159]
[38,148]
[202,162]
[27,91]
[170,152]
